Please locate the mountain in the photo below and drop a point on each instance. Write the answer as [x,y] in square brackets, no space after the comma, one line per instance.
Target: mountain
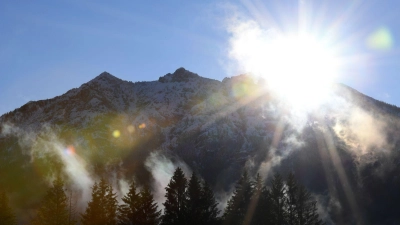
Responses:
[345,151]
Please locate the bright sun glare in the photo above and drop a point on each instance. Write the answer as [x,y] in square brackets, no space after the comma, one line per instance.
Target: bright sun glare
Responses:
[299,68]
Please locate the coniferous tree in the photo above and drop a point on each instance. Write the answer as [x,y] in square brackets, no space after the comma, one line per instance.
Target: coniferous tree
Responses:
[236,209]
[127,212]
[284,203]
[102,209]
[71,209]
[193,205]
[7,216]
[259,204]
[257,187]
[111,206]
[291,200]
[208,206]
[306,208]
[54,208]
[94,212]
[175,204]
[278,200]
[147,210]
[263,211]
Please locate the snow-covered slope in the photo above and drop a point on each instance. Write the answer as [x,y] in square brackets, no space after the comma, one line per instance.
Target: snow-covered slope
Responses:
[176,104]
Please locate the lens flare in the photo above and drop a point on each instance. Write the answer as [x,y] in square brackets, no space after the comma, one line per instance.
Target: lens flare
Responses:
[70,150]
[116,133]
[142,126]
[131,129]
[381,39]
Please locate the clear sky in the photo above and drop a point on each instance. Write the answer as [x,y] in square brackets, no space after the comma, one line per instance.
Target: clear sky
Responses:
[49,47]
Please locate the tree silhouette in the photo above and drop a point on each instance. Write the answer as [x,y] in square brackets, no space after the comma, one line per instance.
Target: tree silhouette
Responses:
[147,210]
[7,216]
[194,201]
[259,204]
[263,211]
[208,206]
[54,207]
[291,199]
[102,208]
[306,208]
[236,209]
[127,212]
[175,204]
[278,200]
[71,208]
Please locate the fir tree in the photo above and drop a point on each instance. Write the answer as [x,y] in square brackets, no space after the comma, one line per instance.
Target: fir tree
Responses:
[208,206]
[94,213]
[147,211]
[7,216]
[54,208]
[175,204]
[127,212]
[291,199]
[236,209]
[263,211]
[194,203]
[257,186]
[71,209]
[102,208]
[111,206]
[254,214]
[278,200]
[306,208]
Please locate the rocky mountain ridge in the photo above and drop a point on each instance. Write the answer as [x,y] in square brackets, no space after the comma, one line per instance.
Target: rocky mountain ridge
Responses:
[216,128]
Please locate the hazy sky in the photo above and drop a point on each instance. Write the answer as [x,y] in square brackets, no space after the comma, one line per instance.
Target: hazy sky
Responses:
[49,47]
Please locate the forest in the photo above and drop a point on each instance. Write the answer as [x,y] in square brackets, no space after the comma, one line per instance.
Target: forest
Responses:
[187,201]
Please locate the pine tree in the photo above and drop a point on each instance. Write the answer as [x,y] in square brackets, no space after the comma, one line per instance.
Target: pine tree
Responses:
[306,208]
[71,209]
[147,210]
[236,209]
[257,186]
[127,212]
[54,208]
[7,216]
[263,211]
[259,203]
[291,199]
[102,208]
[175,204]
[193,195]
[111,206]
[94,213]
[208,206]
[278,200]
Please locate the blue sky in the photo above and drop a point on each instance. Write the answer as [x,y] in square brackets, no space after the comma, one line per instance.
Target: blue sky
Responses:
[49,47]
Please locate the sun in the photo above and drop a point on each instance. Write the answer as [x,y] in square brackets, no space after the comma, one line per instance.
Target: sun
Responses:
[299,68]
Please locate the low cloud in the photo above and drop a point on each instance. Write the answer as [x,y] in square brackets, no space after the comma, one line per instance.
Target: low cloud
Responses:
[361,131]
[162,168]
[45,141]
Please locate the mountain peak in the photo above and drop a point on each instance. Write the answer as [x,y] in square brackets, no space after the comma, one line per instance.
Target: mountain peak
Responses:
[105,76]
[180,75]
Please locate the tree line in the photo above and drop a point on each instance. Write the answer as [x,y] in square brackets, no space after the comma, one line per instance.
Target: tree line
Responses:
[188,201]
